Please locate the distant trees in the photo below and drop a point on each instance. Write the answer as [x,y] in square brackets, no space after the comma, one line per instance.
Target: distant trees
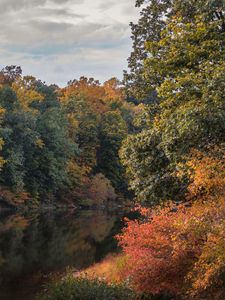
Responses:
[99,118]
[36,142]
[9,74]
[112,131]
[56,140]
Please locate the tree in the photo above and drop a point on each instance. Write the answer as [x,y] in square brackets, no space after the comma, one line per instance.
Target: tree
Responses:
[113,90]
[9,74]
[48,172]
[148,168]
[153,20]
[98,115]
[90,89]
[190,87]
[186,67]
[37,146]
[50,137]
[2,161]
[83,129]
[25,89]
[113,129]
[149,27]
[19,135]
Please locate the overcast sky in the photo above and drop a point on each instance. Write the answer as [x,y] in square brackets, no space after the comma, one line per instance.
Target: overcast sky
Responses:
[59,40]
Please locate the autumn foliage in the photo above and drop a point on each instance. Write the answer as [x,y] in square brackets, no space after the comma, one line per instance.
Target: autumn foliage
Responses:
[180,250]
[55,143]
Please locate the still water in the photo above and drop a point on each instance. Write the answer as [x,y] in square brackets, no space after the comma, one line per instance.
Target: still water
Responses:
[34,245]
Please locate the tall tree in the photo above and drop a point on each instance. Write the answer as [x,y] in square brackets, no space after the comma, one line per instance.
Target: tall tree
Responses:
[186,67]
[48,164]
[154,16]
[113,129]
[19,135]
[9,74]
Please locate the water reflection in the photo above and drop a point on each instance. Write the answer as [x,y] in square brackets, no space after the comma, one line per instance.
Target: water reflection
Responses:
[37,244]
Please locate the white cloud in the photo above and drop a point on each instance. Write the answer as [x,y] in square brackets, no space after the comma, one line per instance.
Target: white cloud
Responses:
[58,40]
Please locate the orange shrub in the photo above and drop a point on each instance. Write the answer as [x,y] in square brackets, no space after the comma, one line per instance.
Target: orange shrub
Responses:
[176,252]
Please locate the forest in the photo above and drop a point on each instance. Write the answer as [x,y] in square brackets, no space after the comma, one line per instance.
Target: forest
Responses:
[58,141]
[157,137]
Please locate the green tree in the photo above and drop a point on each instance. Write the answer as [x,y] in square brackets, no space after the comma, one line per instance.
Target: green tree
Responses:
[47,165]
[19,135]
[84,124]
[2,161]
[37,146]
[186,67]
[149,27]
[113,130]
[154,16]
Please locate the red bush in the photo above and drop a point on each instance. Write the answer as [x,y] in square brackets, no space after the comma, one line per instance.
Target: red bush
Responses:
[181,250]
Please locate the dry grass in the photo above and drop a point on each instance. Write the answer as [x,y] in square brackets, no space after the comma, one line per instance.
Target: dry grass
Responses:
[109,269]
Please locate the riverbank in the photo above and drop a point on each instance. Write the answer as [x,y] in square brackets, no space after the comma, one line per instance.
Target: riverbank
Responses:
[96,282]
[32,205]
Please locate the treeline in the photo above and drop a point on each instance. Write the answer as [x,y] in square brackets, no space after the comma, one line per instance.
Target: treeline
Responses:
[61,143]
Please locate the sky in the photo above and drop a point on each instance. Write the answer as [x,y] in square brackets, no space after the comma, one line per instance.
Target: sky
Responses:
[60,40]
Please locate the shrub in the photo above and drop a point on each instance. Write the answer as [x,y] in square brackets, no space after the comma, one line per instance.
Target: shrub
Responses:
[177,252]
[77,288]
[83,288]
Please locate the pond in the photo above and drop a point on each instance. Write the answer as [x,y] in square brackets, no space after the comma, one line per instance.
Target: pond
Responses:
[34,245]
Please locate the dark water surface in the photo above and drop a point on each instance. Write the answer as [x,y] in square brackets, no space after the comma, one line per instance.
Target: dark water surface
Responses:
[34,245]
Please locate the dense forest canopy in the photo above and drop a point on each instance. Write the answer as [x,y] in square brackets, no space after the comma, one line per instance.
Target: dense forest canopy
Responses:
[59,140]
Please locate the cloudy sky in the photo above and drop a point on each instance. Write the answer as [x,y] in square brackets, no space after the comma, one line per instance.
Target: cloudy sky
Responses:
[59,40]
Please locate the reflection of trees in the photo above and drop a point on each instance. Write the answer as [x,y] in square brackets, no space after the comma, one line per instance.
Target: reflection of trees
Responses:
[93,228]
[51,241]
